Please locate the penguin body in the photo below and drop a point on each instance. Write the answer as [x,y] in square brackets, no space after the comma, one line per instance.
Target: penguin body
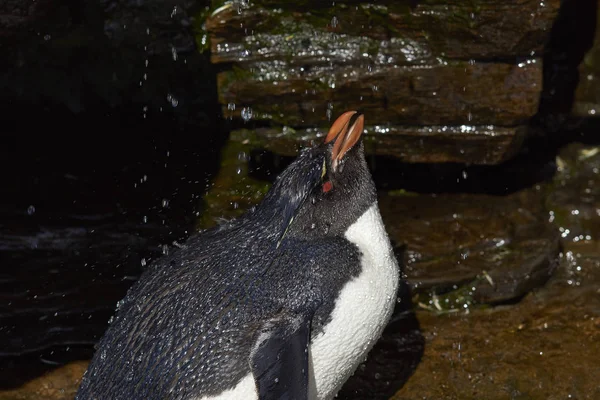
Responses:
[283,302]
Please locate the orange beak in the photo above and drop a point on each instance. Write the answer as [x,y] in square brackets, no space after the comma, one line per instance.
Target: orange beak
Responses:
[345,137]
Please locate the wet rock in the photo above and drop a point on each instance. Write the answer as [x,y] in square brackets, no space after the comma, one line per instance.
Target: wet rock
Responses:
[540,348]
[462,249]
[60,384]
[415,144]
[447,93]
[384,32]
[413,68]
[574,196]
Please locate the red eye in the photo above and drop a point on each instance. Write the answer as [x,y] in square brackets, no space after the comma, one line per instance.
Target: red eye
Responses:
[327,186]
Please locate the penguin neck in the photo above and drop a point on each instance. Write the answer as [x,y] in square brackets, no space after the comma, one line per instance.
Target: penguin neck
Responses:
[271,217]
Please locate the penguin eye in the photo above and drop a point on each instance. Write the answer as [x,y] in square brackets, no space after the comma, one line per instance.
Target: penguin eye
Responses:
[327,186]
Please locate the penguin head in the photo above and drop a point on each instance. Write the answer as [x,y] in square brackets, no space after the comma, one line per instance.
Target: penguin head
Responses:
[328,187]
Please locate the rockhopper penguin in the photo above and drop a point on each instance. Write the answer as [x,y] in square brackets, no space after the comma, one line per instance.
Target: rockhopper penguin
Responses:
[282,303]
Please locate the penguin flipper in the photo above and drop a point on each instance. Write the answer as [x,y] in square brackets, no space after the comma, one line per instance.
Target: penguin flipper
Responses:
[280,359]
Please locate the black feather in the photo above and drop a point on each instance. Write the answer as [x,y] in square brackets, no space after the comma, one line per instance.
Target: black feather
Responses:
[294,186]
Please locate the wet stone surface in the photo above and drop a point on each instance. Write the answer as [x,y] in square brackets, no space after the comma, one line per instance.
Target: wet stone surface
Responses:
[497,248]
[457,82]
[545,347]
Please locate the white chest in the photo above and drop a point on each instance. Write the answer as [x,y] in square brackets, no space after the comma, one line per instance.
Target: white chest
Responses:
[362,310]
[360,314]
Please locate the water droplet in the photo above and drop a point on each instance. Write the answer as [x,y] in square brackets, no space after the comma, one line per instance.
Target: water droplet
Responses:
[174,12]
[246,114]
[174,53]
[47,37]
[334,22]
[143,262]
[165,203]
[242,156]
[171,99]
[31,210]
[165,249]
